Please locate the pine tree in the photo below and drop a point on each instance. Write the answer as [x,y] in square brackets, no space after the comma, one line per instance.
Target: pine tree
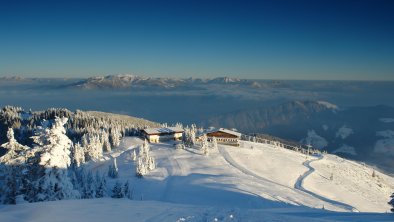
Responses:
[78,156]
[128,191]
[189,137]
[141,169]
[134,155]
[16,153]
[204,144]
[94,148]
[53,149]
[391,202]
[113,170]
[10,189]
[72,174]
[145,148]
[151,163]
[104,139]
[115,136]
[117,191]
[89,186]
[145,162]
[101,188]
[214,143]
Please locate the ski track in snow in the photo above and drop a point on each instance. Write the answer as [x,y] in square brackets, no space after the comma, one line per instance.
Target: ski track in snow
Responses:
[233,163]
[245,171]
[300,180]
[298,185]
[174,171]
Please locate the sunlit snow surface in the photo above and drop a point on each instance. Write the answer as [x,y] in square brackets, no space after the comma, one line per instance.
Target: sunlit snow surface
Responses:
[254,182]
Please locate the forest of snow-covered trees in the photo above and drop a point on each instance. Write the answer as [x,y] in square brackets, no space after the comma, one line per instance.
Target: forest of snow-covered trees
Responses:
[43,153]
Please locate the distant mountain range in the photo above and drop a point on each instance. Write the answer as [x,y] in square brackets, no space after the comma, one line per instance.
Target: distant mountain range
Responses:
[132,81]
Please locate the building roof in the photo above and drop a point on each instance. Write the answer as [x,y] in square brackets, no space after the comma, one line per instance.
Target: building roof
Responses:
[223,130]
[163,130]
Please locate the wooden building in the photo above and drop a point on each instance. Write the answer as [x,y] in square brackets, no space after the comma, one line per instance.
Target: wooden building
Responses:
[225,136]
[155,135]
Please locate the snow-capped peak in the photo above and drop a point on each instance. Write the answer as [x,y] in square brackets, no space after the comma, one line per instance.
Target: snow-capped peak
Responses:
[327,104]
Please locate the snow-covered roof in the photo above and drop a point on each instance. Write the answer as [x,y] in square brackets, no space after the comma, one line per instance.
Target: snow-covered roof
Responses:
[223,130]
[163,130]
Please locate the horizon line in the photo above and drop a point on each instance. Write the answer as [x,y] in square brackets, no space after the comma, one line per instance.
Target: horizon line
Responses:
[190,77]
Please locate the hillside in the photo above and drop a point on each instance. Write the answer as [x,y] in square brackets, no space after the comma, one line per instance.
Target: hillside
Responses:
[253,170]
[250,182]
[119,117]
[358,133]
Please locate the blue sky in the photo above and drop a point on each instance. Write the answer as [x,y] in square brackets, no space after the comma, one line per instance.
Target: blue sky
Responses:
[314,39]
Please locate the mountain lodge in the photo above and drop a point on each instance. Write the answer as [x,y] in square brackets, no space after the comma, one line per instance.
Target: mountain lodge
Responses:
[155,135]
[225,136]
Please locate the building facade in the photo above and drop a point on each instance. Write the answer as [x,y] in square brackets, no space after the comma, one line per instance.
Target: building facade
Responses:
[225,136]
[155,135]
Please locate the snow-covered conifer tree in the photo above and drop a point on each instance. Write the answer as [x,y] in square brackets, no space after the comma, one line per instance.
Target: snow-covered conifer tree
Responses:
[391,202]
[78,155]
[204,144]
[145,162]
[115,136]
[141,168]
[117,191]
[53,149]
[113,170]
[145,148]
[93,146]
[128,191]
[16,153]
[214,143]
[189,136]
[151,163]
[193,134]
[89,189]
[101,186]
[10,187]
[10,136]
[134,155]
[105,141]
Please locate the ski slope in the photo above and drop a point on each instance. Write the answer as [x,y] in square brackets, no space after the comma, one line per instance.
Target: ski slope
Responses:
[251,176]
[352,183]
[299,185]
[107,209]
[249,182]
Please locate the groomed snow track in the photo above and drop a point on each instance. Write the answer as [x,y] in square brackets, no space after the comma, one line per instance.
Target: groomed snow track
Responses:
[298,185]
[300,180]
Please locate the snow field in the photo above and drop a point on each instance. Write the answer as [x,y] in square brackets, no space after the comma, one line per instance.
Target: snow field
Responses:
[107,209]
[229,176]
[352,184]
[228,184]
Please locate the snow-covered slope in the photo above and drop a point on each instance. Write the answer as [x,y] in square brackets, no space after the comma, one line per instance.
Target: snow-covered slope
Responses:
[103,210]
[352,183]
[252,176]
[253,182]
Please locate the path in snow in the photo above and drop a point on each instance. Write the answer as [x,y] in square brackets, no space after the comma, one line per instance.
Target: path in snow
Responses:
[245,171]
[233,163]
[176,170]
[298,185]
[300,180]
